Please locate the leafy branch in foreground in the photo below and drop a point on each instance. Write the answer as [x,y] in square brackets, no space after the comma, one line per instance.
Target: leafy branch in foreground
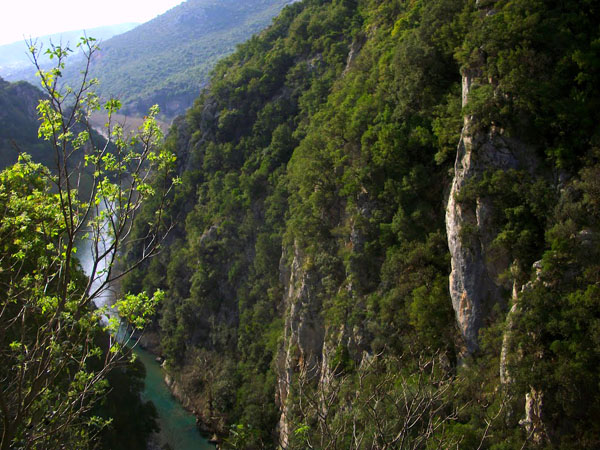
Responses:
[51,313]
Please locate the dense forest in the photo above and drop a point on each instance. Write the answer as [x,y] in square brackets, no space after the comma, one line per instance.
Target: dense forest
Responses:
[383,233]
[387,230]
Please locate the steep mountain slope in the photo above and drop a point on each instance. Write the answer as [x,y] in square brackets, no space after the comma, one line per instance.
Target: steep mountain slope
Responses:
[167,60]
[19,129]
[387,231]
[19,123]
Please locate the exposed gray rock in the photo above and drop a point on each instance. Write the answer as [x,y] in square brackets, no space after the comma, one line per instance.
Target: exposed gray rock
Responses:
[507,341]
[209,235]
[587,238]
[474,285]
[355,49]
[303,336]
[178,391]
[533,421]
[309,345]
[475,282]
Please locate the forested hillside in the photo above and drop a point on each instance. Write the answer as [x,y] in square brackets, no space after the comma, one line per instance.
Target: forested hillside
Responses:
[19,123]
[19,130]
[387,230]
[167,60]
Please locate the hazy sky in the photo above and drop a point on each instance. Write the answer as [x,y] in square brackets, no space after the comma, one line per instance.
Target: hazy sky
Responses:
[37,17]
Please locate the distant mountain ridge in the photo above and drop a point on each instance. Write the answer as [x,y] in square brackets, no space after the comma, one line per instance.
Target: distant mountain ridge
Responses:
[14,59]
[168,59]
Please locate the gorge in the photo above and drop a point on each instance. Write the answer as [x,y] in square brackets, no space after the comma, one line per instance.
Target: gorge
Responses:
[384,230]
[177,427]
[329,232]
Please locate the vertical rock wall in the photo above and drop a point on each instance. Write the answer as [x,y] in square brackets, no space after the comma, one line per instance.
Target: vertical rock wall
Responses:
[474,288]
[303,336]
[309,342]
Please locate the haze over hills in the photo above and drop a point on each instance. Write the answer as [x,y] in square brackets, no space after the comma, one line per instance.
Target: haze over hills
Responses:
[14,58]
[167,59]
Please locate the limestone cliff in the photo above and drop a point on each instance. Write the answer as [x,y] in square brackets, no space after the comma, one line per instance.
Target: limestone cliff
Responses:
[473,281]
[312,353]
[303,336]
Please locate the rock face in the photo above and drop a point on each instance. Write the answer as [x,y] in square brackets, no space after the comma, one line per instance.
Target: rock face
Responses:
[304,334]
[533,421]
[178,392]
[469,224]
[310,345]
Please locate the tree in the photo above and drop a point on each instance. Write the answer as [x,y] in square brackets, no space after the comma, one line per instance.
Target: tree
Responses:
[53,369]
[387,402]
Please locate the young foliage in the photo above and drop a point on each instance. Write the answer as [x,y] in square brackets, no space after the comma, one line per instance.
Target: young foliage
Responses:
[51,313]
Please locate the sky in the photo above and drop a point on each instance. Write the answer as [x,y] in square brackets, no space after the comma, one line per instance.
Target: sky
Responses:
[32,18]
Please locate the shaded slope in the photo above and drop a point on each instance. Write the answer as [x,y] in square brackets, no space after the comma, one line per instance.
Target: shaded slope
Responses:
[19,124]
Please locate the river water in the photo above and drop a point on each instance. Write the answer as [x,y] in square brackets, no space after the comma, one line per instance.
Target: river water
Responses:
[177,426]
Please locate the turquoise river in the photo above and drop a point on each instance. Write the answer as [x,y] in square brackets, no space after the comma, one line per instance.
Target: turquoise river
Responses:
[177,426]
[178,429]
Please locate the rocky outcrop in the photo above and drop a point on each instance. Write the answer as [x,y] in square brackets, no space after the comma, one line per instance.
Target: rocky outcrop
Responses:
[474,281]
[469,225]
[314,350]
[533,422]
[509,344]
[355,48]
[304,333]
[507,340]
[178,392]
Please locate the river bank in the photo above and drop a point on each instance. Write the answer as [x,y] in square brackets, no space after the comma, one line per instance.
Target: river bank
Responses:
[178,428]
[149,342]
